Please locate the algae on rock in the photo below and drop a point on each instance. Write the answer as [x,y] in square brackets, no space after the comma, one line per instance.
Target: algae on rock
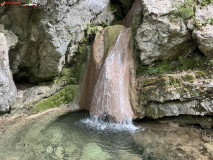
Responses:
[110,33]
[65,96]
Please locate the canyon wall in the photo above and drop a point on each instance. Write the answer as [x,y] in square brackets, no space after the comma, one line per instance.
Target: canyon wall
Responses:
[172,52]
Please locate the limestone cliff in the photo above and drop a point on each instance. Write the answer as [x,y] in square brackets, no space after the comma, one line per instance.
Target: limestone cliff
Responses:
[173,53]
[7,86]
[49,34]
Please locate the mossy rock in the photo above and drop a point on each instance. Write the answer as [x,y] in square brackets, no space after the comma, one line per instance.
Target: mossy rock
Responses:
[154,113]
[175,81]
[149,82]
[168,67]
[211,62]
[110,35]
[79,60]
[200,74]
[66,76]
[64,96]
[93,30]
[189,78]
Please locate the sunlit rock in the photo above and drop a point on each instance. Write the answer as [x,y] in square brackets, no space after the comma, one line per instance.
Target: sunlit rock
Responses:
[7,86]
[162,36]
[107,84]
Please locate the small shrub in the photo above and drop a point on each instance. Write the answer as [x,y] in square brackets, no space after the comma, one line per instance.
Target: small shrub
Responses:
[187,8]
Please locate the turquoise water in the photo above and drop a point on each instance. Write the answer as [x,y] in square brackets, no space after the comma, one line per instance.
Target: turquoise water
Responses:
[68,137]
[92,142]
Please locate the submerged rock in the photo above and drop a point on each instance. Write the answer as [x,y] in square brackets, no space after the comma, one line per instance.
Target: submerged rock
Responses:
[124,155]
[92,151]
[7,86]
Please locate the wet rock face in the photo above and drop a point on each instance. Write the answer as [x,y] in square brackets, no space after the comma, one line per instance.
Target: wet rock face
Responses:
[176,94]
[7,86]
[103,41]
[162,36]
[107,85]
[49,34]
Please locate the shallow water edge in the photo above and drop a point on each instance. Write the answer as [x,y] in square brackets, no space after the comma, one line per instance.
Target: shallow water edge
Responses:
[61,134]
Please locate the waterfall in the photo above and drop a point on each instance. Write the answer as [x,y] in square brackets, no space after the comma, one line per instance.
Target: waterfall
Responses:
[111,95]
[108,90]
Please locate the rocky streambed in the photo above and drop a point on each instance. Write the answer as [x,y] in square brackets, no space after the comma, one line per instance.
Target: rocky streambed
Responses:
[59,134]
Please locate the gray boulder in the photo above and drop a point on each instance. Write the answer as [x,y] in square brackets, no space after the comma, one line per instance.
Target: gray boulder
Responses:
[49,34]
[12,39]
[162,36]
[204,35]
[203,14]
[184,93]
[7,86]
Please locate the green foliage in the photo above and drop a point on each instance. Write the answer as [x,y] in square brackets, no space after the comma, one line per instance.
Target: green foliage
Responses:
[65,96]
[187,8]
[159,68]
[197,23]
[162,68]
[181,64]
[189,78]
[189,63]
[209,21]
[211,62]
[78,61]
[67,76]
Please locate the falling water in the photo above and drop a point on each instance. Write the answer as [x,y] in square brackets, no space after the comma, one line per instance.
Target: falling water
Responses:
[111,96]
[111,101]
[108,87]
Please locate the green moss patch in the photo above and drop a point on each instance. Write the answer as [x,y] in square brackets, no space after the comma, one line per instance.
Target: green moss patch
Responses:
[66,76]
[189,78]
[167,67]
[187,8]
[110,34]
[65,96]
[154,113]
[79,60]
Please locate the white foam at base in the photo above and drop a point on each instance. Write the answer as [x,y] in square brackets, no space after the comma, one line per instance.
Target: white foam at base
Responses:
[99,124]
